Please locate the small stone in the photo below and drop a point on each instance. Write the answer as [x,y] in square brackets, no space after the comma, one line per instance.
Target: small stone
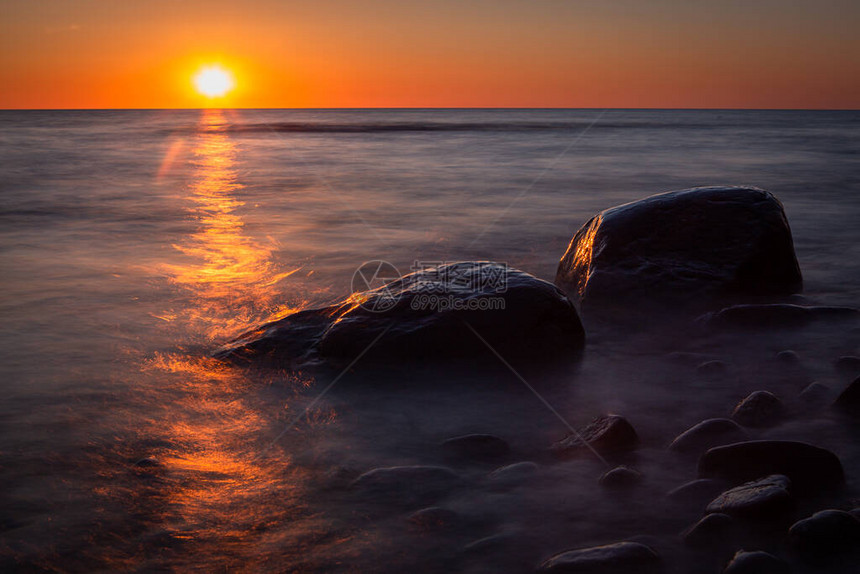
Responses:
[825,535]
[618,558]
[764,498]
[711,368]
[712,530]
[756,563]
[788,357]
[697,491]
[407,484]
[433,518]
[514,474]
[759,409]
[815,393]
[811,469]
[476,447]
[848,365]
[606,433]
[708,434]
[849,399]
[620,477]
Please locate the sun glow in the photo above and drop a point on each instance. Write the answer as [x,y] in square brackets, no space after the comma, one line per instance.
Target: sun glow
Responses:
[213,81]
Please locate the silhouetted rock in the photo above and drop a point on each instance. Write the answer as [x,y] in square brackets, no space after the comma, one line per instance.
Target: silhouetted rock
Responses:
[682,245]
[815,394]
[606,433]
[711,531]
[764,498]
[809,468]
[773,316]
[476,448]
[788,357]
[524,319]
[849,399]
[406,484]
[759,409]
[826,535]
[757,562]
[620,477]
[707,434]
[513,474]
[618,558]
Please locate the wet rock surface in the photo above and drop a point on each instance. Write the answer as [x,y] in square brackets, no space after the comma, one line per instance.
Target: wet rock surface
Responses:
[618,558]
[694,242]
[606,434]
[827,536]
[759,409]
[768,497]
[707,434]
[810,468]
[524,319]
[756,562]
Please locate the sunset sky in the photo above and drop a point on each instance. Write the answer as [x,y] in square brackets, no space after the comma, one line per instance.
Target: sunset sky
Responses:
[463,53]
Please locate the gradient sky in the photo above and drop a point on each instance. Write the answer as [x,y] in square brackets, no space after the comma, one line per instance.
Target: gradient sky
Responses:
[463,53]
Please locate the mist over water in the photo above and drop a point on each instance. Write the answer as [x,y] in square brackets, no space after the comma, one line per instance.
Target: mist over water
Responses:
[136,242]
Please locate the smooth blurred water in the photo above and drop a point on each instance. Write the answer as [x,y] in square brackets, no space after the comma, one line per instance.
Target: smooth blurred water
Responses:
[134,242]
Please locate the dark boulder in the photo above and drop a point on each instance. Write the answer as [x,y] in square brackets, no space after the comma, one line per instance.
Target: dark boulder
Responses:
[433,315]
[683,244]
[605,434]
[759,409]
[618,558]
[711,531]
[476,448]
[826,535]
[620,477]
[761,499]
[849,399]
[406,484]
[757,562]
[708,434]
[809,468]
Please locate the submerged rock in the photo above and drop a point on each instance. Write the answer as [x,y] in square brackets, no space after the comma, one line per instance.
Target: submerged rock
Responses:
[849,399]
[708,434]
[711,531]
[618,558]
[759,409]
[606,433]
[809,468]
[773,316]
[428,316]
[620,477]
[815,394]
[764,498]
[514,474]
[686,244]
[827,534]
[406,484]
[757,562]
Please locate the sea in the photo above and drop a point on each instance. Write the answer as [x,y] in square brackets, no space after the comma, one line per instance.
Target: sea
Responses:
[135,242]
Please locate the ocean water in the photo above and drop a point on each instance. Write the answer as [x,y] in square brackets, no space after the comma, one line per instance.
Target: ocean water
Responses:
[135,242]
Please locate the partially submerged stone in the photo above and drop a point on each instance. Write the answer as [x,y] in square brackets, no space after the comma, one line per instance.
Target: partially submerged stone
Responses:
[620,477]
[711,531]
[756,562]
[489,308]
[767,497]
[618,558]
[689,244]
[708,434]
[759,409]
[810,468]
[826,535]
[605,434]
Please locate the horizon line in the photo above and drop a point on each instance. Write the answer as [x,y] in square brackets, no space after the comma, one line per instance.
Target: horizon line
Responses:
[407,108]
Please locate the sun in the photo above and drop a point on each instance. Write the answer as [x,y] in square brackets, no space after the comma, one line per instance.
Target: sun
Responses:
[213,81]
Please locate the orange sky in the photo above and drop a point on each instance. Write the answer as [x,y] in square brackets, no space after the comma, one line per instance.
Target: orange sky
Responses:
[442,53]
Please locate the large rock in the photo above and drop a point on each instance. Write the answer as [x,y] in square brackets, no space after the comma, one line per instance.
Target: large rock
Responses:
[826,535]
[427,316]
[605,434]
[708,434]
[764,498]
[810,468]
[618,558]
[683,244]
